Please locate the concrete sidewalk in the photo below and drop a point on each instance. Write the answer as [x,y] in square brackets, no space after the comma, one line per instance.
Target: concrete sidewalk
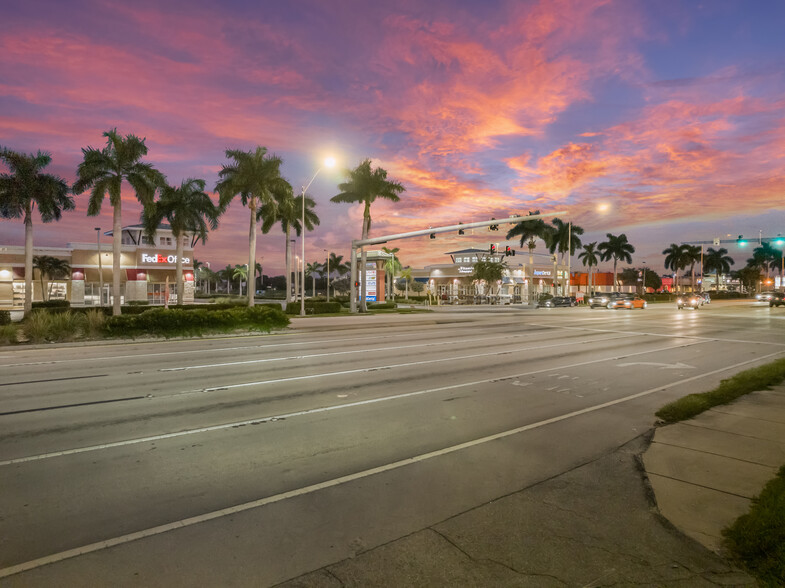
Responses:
[705,471]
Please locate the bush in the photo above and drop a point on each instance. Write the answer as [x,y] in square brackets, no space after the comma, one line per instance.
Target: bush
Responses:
[52,304]
[66,326]
[36,326]
[312,307]
[8,335]
[5,317]
[389,305]
[138,303]
[94,321]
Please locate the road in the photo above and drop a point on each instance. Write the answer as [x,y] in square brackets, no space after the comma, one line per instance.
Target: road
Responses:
[213,460]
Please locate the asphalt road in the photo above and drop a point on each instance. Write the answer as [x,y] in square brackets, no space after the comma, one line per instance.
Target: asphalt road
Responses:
[217,460]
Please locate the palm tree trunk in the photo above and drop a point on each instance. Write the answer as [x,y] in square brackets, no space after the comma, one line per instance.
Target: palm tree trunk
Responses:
[288,267]
[179,269]
[363,258]
[615,283]
[28,259]
[117,235]
[251,246]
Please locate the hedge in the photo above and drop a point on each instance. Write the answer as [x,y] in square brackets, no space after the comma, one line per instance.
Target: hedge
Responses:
[5,317]
[389,305]
[313,307]
[178,321]
[52,304]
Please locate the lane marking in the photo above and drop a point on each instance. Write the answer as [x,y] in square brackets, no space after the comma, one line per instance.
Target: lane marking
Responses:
[72,405]
[318,410]
[53,380]
[305,490]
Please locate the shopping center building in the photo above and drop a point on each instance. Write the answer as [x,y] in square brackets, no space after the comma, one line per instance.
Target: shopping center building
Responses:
[147,270]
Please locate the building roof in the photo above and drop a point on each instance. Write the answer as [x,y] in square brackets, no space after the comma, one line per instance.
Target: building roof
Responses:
[466,251]
[140,227]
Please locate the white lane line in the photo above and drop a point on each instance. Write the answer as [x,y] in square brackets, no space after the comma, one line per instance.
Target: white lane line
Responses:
[354,351]
[216,514]
[663,335]
[320,410]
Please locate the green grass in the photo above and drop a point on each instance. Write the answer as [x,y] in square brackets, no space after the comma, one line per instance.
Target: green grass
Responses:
[752,380]
[757,539]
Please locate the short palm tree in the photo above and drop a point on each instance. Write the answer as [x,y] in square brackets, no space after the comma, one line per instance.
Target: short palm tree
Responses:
[50,268]
[406,276]
[589,257]
[692,255]
[240,273]
[189,210]
[254,176]
[334,263]
[719,261]
[391,265]
[616,248]
[364,185]
[26,188]
[676,259]
[227,274]
[103,171]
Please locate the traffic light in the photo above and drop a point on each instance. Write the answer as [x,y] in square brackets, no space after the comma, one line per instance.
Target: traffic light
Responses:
[741,241]
[508,251]
[460,231]
[493,249]
[357,284]
[433,235]
[493,227]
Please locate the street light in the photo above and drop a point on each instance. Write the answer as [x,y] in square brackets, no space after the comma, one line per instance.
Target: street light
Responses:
[329,162]
[100,267]
[327,283]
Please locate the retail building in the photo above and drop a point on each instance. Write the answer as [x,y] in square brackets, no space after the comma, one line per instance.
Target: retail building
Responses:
[147,270]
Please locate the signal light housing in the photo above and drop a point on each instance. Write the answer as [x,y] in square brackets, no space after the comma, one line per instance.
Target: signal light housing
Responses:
[493,249]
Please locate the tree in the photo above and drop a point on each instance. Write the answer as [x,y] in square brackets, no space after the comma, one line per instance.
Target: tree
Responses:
[616,248]
[26,188]
[406,276]
[488,272]
[364,185]
[104,171]
[563,236]
[189,210]
[227,274]
[717,260]
[749,277]
[240,273]
[258,272]
[589,257]
[311,270]
[255,177]
[529,231]
[391,265]
[50,268]
[287,209]
[768,256]
[334,263]
[692,255]
[676,259]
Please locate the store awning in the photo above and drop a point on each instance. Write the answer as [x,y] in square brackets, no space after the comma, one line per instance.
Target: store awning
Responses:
[506,280]
[421,280]
[519,281]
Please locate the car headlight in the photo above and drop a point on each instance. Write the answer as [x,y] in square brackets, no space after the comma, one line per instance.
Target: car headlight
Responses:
[679,301]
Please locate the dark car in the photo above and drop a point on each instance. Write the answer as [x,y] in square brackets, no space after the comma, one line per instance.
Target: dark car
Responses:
[604,300]
[558,301]
[691,301]
[777,299]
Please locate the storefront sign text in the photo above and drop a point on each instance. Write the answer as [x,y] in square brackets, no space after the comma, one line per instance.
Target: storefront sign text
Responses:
[158,258]
[542,272]
[465,270]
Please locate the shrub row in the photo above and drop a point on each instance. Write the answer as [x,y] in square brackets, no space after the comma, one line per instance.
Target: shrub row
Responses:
[5,317]
[314,307]
[389,305]
[181,322]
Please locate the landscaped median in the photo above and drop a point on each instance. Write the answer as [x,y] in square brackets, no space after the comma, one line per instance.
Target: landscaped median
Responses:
[756,539]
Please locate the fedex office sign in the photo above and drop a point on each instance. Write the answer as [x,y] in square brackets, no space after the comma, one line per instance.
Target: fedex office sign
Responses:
[158,258]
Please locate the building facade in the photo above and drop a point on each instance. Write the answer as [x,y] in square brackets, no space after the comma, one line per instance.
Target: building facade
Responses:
[147,271]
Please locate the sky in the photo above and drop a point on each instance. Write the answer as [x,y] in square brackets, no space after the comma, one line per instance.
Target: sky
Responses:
[661,120]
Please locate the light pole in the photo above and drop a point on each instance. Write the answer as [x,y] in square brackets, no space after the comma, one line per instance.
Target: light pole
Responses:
[643,285]
[100,267]
[329,162]
[327,282]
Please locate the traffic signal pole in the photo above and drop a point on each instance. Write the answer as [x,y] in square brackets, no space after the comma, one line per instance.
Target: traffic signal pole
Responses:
[360,243]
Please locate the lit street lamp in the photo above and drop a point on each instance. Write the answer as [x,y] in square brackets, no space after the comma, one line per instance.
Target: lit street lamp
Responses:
[329,162]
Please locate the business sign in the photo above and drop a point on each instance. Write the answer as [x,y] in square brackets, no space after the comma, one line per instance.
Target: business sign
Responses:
[370,285]
[465,270]
[158,258]
[542,273]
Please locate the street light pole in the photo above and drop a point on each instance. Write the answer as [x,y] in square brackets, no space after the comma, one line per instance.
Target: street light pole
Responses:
[329,162]
[327,282]
[100,267]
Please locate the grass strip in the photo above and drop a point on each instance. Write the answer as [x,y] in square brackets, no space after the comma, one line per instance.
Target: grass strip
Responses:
[752,380]
[757,539]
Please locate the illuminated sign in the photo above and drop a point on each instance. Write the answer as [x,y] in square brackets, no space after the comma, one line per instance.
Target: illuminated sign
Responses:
[370,285]
[158,258]
[542,272]
[465,270]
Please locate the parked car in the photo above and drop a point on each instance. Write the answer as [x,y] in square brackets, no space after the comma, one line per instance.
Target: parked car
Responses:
[628,302]
[691,301]
[777,299]
[559,301]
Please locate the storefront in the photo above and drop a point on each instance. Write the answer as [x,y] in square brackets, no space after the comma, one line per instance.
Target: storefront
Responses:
[147,271]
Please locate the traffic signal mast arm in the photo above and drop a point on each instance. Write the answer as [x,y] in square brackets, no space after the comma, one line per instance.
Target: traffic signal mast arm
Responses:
[488,223]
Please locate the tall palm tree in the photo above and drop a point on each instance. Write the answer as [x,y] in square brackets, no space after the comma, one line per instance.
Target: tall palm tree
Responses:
[227,274]
[692,255]
[676,259]
[254,176]
[564,236]
[334,264]
[719,261]
[391,265]
[103,171]
[189,210]
[768,256]
[406,275]
[529,231]
[364,185]
[26,188]
[589,257]
[287,209]
[617,248]
[50,268]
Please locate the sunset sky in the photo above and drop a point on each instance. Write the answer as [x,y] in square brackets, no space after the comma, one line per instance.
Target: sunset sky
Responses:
[671,113]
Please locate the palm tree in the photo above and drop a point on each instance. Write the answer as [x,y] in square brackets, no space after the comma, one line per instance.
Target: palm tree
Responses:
[692,255]
[258,271]
[391,265]
[364,186]
[189,210]
[616,248]
[406,275]
[676,259]
[227,274]
[50,268]
[103,171]
[334,263]
[564,236]
[719,261]
[255,177]
[589,257]
[240,273]
[529,231]
[768,256]
[287,209]
[26,188]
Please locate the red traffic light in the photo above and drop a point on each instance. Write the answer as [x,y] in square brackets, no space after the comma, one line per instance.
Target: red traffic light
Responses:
[493,249]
